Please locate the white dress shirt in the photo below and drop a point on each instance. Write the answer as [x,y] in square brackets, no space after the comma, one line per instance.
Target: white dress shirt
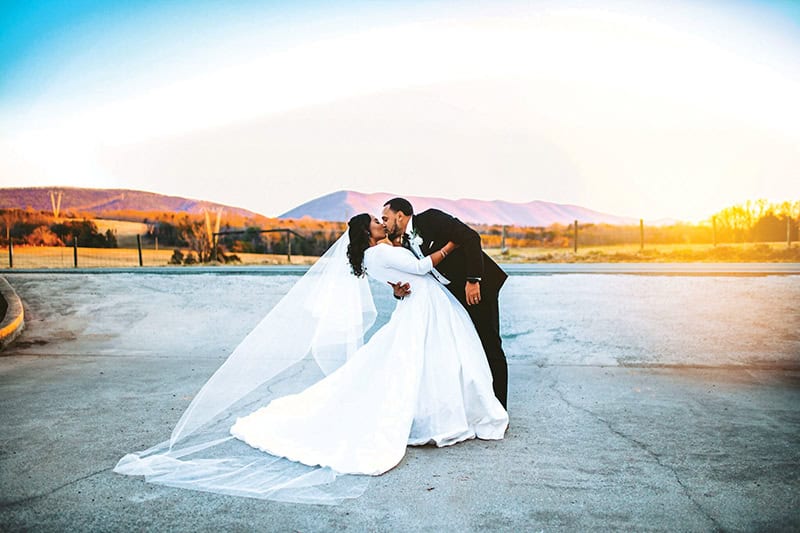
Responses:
[417,250]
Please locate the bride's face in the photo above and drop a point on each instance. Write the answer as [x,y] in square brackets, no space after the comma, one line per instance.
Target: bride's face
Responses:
[377,230]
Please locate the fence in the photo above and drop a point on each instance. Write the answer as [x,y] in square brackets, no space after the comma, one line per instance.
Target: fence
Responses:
[77,256]
[148,255]
[582,235]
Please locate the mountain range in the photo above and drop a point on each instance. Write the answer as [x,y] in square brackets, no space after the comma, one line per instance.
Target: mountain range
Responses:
[99,201]
[343,204]
[337,206]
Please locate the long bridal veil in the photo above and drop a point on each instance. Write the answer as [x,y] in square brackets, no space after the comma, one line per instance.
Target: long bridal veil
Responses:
[310,332]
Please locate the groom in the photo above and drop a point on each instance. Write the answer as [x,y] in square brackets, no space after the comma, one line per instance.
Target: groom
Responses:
[471,275]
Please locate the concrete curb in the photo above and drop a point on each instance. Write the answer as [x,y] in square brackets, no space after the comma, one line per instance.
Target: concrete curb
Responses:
[517,269]
[13,323]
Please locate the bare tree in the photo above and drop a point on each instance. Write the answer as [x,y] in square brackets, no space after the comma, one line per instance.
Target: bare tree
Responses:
[195,234]
[9,217]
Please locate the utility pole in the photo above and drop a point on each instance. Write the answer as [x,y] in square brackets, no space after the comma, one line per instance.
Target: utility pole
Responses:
[575,239]
[714,230]
[56,204]
[212,240]
[641,234]
[219,218]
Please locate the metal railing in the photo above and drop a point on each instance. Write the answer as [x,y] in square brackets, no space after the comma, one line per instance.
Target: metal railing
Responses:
[144,254]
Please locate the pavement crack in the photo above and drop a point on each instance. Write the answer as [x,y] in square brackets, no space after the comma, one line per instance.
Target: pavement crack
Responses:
[645,448]
[28,499]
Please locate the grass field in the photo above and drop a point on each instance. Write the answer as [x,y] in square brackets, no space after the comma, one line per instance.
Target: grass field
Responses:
[126,231]
[62,256]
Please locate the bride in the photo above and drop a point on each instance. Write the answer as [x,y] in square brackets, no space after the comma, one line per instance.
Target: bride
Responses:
[314,404]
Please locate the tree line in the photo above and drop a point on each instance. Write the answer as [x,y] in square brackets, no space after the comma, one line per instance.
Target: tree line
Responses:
[38,228]
[752,221]
[195,233]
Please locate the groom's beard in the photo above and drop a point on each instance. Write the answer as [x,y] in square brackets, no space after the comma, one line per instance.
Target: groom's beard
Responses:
[395,233]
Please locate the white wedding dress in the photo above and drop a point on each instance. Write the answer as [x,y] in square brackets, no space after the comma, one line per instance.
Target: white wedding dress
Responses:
[422,378]
[316,405]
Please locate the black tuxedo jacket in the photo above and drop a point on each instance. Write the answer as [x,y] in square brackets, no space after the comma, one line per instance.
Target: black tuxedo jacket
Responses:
[467,261]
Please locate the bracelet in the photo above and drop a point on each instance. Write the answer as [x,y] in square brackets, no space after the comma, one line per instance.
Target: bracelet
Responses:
[444,254]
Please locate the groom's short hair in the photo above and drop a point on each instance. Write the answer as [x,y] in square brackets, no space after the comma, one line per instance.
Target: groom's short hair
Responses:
[400,204]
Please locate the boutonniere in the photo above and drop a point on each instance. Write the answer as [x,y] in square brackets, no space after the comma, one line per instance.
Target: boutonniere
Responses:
[416,239]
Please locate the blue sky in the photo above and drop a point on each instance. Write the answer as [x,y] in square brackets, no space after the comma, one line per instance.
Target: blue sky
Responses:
[640,108]
[37,37]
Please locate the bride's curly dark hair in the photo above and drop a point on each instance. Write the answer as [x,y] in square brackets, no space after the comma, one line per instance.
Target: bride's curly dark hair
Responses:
[358,230]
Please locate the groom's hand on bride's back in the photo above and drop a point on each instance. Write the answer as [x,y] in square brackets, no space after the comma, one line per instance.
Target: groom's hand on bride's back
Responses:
[401,290]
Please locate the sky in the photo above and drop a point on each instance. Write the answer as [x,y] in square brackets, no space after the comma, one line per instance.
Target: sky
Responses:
[643,109]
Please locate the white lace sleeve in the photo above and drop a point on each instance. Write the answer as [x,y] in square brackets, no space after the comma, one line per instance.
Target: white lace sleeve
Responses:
[404,260]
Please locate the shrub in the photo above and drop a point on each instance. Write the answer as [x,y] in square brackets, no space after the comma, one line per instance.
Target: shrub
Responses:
[177,258]
[42,236]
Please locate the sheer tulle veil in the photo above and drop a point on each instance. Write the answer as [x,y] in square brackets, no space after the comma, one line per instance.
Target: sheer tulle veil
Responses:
[310,332]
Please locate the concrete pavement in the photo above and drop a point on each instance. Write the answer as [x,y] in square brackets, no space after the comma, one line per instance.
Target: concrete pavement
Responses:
[591,446]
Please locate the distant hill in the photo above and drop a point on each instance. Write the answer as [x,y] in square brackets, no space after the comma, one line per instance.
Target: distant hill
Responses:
[99,201]
[343,204]
[337,206]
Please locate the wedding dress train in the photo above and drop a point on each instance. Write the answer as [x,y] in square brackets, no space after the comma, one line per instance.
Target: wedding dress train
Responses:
[302,390]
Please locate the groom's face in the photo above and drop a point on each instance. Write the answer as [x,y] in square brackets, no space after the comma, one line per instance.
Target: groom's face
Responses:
[395,222]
